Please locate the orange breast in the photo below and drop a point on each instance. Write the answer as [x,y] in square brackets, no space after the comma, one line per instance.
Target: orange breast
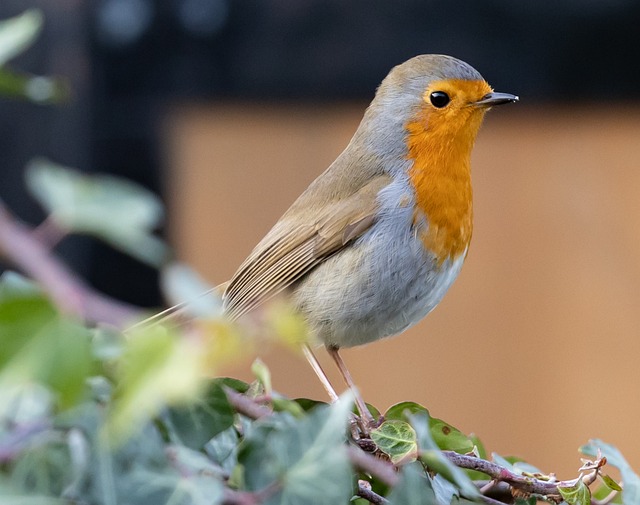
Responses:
[439,144]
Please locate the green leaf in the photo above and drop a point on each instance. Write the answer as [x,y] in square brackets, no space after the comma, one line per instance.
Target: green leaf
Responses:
[37,344]
[414,487]
[449,438]
[195,424]
[18,33]
[306,456]
[38,89]
[446,436]
[576,495]
[401,410]
[223,449]
[281,404]
[610,483]
[115,210]
[397,439]
[630,480]
[262,374]
[157,369]
[431,455]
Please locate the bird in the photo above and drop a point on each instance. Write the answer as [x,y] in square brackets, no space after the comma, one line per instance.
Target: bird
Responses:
[374,243]
[376,240]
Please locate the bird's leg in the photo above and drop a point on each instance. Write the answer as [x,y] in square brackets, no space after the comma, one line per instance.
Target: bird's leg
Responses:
[355,424]
[324,380]
[360,404]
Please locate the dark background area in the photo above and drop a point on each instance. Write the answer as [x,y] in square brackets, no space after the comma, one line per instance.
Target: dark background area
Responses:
[126,60]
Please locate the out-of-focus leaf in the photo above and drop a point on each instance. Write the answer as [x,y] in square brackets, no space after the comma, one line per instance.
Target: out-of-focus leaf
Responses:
[516,465]
[35,88]
[107,343]
[610,483]
[285,324]
[281,404]
[630,480]
[235,384]
[576,495]
[37,344]
[397,439]
[18,33]
[181,285]
[156,369]
[115,210]
[223,449]
[262,374]
[307,404]
[306,456]
[413,489]
[430,455]
[24,311]
[195,424]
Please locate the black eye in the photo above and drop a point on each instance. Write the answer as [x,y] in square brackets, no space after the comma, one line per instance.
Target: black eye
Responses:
[439,99]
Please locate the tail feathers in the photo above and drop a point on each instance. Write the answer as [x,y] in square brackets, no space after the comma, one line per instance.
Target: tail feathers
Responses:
[206,305]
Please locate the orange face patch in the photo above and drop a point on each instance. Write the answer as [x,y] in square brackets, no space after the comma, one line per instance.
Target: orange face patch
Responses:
[440,141]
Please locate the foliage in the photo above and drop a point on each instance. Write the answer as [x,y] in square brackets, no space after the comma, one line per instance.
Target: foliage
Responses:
[16,35]
[94,414]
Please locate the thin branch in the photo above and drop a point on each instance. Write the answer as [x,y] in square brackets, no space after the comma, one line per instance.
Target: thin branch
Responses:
[246,406]
[68,292]
[365,492]
[527,483]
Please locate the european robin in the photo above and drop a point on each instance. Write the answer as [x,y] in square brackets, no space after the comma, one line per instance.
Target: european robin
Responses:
[374,243]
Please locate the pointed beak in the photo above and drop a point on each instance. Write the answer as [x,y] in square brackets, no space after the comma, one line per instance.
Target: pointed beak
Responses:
[493,98]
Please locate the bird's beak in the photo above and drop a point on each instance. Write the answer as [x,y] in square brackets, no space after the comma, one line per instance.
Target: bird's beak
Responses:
[493,98]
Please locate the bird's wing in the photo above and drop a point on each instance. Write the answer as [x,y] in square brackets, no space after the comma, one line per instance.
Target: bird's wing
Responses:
[291,250]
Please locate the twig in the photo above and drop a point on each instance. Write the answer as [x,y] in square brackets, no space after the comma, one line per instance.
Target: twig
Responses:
[529,484]
[246,406]
[70,294]
[365,492]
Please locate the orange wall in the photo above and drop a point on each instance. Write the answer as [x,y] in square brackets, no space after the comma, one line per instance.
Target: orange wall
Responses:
[536,347]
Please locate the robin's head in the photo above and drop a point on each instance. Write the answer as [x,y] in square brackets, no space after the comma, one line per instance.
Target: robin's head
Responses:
[435,95]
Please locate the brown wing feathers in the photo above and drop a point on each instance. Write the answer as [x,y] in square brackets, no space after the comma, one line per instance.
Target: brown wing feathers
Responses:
[278,262]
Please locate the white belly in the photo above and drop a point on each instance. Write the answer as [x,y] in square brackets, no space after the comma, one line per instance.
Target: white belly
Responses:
[376,287]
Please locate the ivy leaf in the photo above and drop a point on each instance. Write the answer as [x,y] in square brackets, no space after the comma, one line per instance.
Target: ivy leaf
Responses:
[449,438]
[446,436]
[413,489]
[630,480]
[399,411]
[610,483]
[18,33]
[156,369]
[37,343]
[397,439]
[576,495]
[223,449]
[431,455]
[115,210]
[306,456]
[195,424]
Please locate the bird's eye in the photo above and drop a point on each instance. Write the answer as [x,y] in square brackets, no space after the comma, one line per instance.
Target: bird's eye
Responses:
[439,99]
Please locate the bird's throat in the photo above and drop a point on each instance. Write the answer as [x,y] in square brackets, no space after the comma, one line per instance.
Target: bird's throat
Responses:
[441,176]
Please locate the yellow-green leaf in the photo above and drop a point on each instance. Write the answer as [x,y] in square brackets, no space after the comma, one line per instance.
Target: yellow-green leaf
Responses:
[397,439]
[576,495]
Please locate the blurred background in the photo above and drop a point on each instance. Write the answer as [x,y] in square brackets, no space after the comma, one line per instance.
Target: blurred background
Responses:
[229,108]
